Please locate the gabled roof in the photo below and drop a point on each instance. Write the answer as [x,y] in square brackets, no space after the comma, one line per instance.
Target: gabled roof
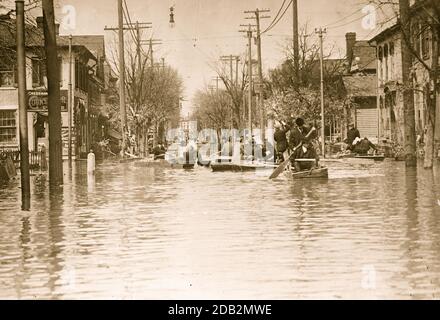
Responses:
[95,43]
[385,33]
[34,38]
[331,66]
[361,85]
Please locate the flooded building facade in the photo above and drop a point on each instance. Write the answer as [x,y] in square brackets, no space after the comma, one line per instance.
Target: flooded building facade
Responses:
[390,84]
[87,80]
[360,85]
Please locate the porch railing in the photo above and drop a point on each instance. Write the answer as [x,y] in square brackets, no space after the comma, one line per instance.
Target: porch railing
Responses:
[37,159]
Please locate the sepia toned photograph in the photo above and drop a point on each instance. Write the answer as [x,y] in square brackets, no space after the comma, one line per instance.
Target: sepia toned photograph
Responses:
[219,150]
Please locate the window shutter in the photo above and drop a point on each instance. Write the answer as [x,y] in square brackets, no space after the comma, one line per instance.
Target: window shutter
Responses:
[60,70]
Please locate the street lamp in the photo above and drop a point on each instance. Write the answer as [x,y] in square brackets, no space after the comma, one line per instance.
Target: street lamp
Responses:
[172,22]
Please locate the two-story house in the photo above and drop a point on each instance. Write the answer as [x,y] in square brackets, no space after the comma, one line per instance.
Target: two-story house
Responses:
[389,80]
[86,76]
[360,84]
[389,60]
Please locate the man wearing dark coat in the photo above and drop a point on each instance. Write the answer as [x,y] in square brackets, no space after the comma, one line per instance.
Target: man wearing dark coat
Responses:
[280,137]
[352,134]
[300,144]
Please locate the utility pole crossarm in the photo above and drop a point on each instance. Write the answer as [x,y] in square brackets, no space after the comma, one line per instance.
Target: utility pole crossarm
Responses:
[153,41]
[117,29]
[145,25]
[257,10]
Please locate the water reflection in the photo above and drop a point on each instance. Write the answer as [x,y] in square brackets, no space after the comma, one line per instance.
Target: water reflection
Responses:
[130,232]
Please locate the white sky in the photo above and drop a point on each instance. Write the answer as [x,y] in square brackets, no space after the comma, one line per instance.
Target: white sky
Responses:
[206,29]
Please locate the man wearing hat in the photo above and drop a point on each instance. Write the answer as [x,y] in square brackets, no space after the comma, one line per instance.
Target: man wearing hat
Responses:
[301,145]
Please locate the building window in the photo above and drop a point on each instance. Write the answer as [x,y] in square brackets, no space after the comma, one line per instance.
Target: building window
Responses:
[8,127]
[380,57]
[7,78]
[38,72]
[416,37]
[8,74]
[76,74]
[425,43]
[385,55]
[60,70]
[8,70]
[391,60]
[81,76]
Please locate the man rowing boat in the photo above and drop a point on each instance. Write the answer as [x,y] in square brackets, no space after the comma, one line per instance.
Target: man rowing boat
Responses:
[301,145]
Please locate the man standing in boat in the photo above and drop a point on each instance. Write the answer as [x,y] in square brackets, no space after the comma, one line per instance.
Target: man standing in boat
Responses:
[301,145]
[280,137]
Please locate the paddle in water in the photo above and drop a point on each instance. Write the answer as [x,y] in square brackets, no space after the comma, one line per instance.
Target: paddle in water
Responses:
[283,165]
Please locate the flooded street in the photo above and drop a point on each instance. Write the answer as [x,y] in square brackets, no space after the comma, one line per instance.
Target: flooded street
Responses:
[370,231]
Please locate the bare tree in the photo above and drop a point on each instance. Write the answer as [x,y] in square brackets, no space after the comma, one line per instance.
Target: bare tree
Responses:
[212,109]
[236,89]
[152,95]
[291,97]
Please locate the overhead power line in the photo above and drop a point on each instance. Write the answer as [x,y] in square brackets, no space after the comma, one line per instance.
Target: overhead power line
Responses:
[278,14]
[275,22]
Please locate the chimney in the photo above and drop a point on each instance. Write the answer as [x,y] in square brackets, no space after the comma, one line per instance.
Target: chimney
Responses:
[350,38]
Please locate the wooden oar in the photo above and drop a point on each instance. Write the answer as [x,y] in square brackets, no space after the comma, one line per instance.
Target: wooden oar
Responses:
[283,166]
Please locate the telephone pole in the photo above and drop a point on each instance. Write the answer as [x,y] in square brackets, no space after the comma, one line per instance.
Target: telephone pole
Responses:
[70,102]
[22,112]
[231,58]
[295,40]
[321,32]
[122,76]
[217,81]
[138,27]
[53,89]
[236,71]
[121,28]
[151,43]
[260,96]
[249,33]
[408,94]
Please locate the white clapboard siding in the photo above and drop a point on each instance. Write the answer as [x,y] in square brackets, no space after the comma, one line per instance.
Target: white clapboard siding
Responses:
[367,122]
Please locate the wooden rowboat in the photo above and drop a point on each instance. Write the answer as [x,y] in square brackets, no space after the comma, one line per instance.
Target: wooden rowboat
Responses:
[148,163]
[186,166]
[375,158]
[319,173]
[367,157]
[242,167]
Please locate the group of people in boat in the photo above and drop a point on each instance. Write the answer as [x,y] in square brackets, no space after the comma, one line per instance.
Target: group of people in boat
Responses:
[297,141]
[357,145]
